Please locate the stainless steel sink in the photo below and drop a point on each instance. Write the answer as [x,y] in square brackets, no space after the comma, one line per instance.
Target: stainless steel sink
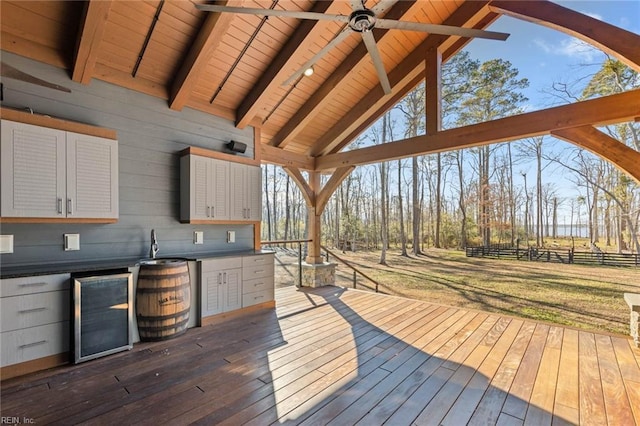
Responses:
[163,261]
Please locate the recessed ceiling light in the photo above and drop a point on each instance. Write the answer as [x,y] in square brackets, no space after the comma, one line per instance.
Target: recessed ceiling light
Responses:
[308,72]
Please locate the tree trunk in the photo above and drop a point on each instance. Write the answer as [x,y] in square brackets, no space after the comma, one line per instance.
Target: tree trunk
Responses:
[403,237]
[436,242]
[416,207]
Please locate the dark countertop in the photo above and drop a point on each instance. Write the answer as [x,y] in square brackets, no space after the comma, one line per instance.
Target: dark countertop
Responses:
[15,271]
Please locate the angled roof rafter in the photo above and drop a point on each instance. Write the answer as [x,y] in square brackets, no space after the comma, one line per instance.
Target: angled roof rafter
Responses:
[90,35]
[277,71]
[319,99]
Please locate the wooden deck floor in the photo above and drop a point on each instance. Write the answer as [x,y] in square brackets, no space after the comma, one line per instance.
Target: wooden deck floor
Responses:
[344,357]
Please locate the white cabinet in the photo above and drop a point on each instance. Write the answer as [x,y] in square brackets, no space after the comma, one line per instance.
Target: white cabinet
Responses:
[35,317]
[221,284]
[204,189]
[246,192]
[232,283]
[217,190]
[257,279]
[49,173]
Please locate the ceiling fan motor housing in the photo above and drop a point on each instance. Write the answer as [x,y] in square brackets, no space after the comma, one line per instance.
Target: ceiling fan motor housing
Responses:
[362,20]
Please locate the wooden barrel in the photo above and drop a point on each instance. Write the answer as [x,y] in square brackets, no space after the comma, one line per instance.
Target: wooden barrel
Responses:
[163,300]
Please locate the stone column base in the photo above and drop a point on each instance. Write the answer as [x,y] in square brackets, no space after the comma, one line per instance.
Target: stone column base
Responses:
[318,275]
[633,300]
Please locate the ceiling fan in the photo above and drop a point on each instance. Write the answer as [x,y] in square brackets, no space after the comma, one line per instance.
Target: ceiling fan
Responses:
[362,20]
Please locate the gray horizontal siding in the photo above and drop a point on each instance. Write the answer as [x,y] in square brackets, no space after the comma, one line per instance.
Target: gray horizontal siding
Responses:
[150,136]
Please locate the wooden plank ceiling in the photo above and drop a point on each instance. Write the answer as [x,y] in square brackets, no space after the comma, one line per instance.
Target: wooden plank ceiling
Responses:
[233,66]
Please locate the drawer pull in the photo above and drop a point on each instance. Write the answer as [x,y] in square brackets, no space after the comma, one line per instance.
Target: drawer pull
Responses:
[37,284]
[28,311]
[258,297]
[258,284]
[258,272]
[30,345]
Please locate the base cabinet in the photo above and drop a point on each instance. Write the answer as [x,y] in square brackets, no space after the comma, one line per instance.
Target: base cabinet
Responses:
[221,283]
[231,283]
[35,315]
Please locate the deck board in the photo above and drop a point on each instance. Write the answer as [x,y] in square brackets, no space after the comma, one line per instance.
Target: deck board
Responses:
[342,357]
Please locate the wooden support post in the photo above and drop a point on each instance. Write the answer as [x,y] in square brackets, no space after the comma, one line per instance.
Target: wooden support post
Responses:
[433,91]
[314,256]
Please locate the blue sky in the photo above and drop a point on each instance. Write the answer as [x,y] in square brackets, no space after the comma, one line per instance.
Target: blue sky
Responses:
[544,56]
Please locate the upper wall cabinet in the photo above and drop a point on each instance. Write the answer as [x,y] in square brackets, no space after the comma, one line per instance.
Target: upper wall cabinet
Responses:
[56,174]
[246,192]
[218,190]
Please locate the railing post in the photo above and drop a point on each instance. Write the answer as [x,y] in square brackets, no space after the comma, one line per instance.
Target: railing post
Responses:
[354,279]
[299,264]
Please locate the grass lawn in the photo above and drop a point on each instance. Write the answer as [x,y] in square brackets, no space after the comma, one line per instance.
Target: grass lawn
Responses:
[587,297]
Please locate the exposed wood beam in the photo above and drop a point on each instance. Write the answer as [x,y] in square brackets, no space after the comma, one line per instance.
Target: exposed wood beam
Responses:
[615,41]
[314,224]
[468,14]
[322,96]
[280,157]
[603,145]
[433,91]
[307,192]
[606,110]
[450,46]
[330,187]
[90,35]
[281,67]
[215,26]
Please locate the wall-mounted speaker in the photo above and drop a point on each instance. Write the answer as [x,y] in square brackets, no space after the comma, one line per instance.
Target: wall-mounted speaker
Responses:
[237,146]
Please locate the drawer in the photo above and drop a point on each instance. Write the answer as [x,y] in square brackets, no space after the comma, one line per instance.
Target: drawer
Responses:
[258,284]
[260,259]
[34,284]
[222,263]
[257,297]
[33,343]
[257,271]
[31,310]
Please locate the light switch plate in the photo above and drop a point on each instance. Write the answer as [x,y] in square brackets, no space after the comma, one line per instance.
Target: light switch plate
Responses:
[231,236]
[6,243]
[198,237]
[71,242]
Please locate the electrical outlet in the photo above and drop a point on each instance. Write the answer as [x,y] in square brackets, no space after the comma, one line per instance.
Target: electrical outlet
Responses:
[198,237]
[6,243]
[231,236]
[71,242]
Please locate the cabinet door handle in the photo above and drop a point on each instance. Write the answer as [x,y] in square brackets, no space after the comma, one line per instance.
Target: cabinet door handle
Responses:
[208,211]
[69,206]
[28,311]
[59,205]
[219,278]
[213,211]
[29,345]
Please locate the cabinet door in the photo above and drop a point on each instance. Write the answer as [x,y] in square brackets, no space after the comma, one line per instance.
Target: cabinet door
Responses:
[212,293]
[254,193]
[233,282]
[92,177]
[199,187]
[237,192]
[33,171]
[219,181]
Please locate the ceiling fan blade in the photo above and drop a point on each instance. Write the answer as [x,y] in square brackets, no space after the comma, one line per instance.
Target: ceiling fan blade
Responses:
[10,72]
[273,12]
[439,29]
[337,40]
[357,5]
[370,42]
[383,6]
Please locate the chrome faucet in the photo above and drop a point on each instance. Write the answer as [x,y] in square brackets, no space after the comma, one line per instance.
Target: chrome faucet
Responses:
[154,245]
